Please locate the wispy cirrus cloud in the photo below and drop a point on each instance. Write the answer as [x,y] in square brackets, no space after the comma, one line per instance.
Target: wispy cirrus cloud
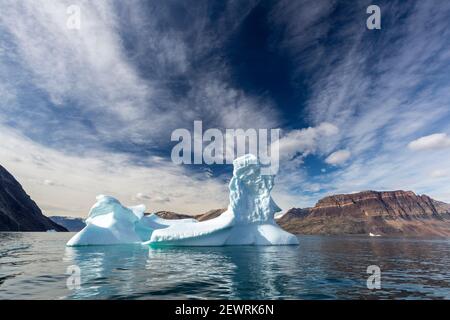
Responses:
[98,83]
[111,93]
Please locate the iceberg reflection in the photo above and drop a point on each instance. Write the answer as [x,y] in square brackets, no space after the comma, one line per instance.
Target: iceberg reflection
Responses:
[134,271]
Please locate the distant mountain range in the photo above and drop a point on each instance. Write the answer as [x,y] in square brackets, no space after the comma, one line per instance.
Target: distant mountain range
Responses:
[389,213]
[200,217]
[18,212]
[70,223]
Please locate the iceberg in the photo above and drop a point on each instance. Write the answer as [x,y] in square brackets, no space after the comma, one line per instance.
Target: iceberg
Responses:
[249,219]
[109,222]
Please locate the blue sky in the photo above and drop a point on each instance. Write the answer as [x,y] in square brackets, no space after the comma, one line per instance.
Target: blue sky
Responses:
[90,111]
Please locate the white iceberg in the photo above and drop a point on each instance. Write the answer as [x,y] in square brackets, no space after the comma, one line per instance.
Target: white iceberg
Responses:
[249,219]
[374,235]
[109,222]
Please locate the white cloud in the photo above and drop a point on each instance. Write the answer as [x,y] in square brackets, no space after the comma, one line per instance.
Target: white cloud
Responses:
[432,142]
[439,173]
[338,157]
[155,197]
[141,196]
[305,141]
[49,182]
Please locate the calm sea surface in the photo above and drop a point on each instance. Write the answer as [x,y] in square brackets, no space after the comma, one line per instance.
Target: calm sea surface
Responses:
[35,266]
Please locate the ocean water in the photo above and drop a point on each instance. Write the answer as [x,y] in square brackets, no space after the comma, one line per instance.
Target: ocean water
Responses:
[36,265]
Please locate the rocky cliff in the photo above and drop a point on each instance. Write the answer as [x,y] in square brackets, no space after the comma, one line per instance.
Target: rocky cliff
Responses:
[17,211]
[396,213]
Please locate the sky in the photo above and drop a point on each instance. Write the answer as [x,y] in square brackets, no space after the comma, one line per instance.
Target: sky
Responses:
[90,111]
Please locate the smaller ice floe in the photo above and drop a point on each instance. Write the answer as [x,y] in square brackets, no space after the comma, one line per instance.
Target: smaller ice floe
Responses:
[109,223]
[51,230]
[374,235]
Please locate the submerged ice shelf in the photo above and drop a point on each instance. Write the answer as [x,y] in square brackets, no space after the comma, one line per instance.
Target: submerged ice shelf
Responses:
[249,219]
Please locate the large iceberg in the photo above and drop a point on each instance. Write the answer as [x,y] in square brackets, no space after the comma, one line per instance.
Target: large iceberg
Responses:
[249,219]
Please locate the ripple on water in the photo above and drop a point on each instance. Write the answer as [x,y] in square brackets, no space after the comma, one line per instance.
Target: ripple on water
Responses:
[34,266]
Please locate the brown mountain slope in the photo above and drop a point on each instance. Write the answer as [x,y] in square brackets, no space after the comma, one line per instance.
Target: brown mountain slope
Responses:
[200,217]
[171,215]
[210,214]
[396,213]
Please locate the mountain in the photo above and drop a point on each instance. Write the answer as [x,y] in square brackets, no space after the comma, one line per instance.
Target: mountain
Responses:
[210,214]
[393,213]
[70,223]
[200,217]
[172,215]
[18,212]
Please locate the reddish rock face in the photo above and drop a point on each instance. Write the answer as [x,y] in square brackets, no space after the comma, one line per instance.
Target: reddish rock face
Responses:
[401,213]
[389,213]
